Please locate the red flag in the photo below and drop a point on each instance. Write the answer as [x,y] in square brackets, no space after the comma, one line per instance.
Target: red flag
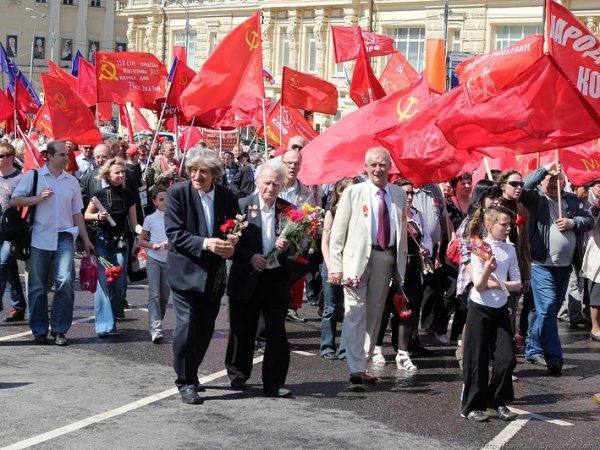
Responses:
[33,158]
[340,150]
[57,72]
[104,112]
[581,163]
[291,124]
[180,53]
[485,75]
[126,121]
[398,74]
[43,122]
[182,77]
[347,43]
[86,82]
[7,108]
[419,148]
[365,87]
[229,90]
[303,91]
[23,99]
[190,136]
[141,124]
[130,77]
[435,64]
[71,119]
[576,50]
[539,110]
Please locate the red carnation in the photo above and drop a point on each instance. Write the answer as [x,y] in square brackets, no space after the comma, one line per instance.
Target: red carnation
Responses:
[228,225]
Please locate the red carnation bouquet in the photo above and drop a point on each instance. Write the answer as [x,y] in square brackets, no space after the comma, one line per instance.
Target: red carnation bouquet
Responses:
[112,272]
[232,228]
[299,226]
[401,305]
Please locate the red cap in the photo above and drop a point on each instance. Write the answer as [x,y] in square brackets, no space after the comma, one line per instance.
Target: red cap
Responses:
[133,150]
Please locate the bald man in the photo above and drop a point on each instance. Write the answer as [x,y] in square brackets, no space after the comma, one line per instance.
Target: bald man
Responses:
[368,240]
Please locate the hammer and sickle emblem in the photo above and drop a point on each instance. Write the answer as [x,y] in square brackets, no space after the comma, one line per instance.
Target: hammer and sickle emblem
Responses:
[184,81]
[60,101]
[408,111]
[294,82]
[108,71]
[518,157]
[252,40]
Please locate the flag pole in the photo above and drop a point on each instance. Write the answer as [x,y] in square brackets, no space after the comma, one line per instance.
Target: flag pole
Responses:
[158,125]
[280,125]
[178,150]
[264,105]
[488,171]
[558,183]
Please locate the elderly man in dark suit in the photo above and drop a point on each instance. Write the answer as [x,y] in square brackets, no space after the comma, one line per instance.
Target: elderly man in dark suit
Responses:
[195,211]
[258,284]
[243,183]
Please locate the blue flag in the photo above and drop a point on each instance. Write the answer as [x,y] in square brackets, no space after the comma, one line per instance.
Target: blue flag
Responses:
[75,64]
[3,59]
[172,71]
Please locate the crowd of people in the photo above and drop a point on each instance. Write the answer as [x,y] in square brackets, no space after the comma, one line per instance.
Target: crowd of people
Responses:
[388,254]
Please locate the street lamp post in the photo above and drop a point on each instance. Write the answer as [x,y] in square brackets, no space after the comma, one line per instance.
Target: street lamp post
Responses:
[52,38]
[185,4]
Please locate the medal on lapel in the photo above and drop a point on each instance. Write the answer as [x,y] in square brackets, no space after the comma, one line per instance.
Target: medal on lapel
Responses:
[365,210]
[253,210]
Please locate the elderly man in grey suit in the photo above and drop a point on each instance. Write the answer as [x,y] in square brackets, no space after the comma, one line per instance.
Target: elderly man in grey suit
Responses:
[368,240]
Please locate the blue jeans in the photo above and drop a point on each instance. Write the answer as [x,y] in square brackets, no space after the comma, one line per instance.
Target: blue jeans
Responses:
[333,303]
[549,285]
[108,299]
[39,265]
[9,273]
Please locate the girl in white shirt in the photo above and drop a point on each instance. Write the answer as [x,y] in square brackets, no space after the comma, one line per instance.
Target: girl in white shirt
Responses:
[488,328]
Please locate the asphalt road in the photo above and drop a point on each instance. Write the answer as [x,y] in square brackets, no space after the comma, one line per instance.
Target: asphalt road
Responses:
[118,393]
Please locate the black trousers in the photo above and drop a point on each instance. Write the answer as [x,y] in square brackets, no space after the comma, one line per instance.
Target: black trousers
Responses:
[269,298]
[433,294]
[195,315]
[451,304]
[488,331]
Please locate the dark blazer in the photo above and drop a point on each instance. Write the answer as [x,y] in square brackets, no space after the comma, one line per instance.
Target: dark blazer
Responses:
[243,279]
[89,185]
[190,268]
[242,184]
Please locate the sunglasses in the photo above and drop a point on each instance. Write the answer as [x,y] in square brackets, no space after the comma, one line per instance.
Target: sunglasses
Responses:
[297,147]
[4,156]
[411,193]
[516,184]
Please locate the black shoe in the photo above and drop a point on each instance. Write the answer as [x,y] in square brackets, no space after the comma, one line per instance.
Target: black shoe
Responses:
[357,382]
[476,416]
[190,396]
[40,339]
[554,367]
[281,393]
[419,350]
[15,315]
[200,388]
[103,335]
[506,414]
[239,384]
[61,340]
[330,356]
[537,360]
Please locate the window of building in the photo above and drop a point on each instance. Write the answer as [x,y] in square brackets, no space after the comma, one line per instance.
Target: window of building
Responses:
[41,1]
[455,41]
[285,50]
[67,2]
[411,43]
[507,35]
[95,3]
[191,47]
[311,53]
[212,42]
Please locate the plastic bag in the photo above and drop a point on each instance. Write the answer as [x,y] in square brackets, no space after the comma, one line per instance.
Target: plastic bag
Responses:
[88,273]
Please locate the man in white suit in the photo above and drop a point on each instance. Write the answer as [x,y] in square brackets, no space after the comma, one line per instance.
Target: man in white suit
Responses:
[368,240]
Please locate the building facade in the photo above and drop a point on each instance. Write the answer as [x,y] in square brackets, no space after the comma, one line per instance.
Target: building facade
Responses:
[33,31]
[296,33]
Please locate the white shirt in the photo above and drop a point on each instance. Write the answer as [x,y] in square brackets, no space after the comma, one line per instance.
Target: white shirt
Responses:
[208,206]
[375,215]
[507,269]
[55,214]
[155,225]
[84,164]
[267,227]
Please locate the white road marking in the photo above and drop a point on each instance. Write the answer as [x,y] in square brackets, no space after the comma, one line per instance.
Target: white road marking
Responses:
[514,427]
[112,413]
[303,353]
[26,333]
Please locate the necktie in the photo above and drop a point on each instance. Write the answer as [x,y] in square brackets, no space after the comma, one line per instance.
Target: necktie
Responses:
[383,222]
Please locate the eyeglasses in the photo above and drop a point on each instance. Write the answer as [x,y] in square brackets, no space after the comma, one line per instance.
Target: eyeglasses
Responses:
[292,163]
[410,193]
[2,156]
[516,184]
[297,147]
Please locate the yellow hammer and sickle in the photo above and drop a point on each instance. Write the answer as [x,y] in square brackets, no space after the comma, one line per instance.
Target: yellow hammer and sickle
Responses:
[252,40]
[294,82]
[60,101]
[108,71]
[408,111]
[184,81]
[518,157]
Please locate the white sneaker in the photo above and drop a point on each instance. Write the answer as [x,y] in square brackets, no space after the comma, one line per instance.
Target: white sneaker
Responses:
[442,339]
[378,358]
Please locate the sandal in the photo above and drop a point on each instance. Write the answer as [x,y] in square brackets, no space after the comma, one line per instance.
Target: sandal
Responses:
[403,361]
[378,358]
